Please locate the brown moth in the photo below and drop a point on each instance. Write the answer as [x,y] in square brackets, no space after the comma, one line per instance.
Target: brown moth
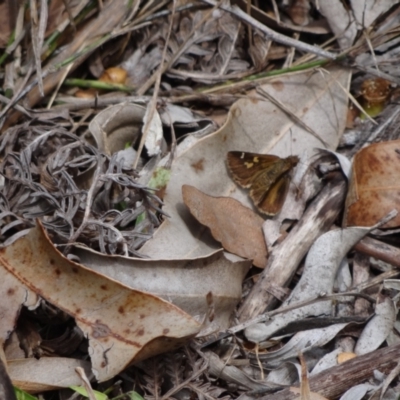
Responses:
[267,176]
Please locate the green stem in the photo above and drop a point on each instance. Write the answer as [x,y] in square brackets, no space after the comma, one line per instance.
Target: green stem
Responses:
[276,72]
[87,83]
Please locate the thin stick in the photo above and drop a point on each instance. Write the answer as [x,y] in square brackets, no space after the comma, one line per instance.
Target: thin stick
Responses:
[292,116]
[281,310]
[153,105]
[270,34]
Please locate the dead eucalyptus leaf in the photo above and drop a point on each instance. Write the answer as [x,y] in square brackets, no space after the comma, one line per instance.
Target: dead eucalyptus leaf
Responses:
[123,325]
[155,132]
[318,27]
[302,342]
[378,328]
[365,13]
[374,188]
[185,283]
[116,126]
[14,296]
[317,98]
[321,267]
[340,20]
[47,373]
[238,228]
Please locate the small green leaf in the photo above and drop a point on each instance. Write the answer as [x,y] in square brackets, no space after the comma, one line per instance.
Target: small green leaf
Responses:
[135,396]
[160,178]
[21,395]
[81,390]
[372,110]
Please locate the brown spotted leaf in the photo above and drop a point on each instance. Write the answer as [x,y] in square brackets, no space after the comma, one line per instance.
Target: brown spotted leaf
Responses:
[374,188]
[123,325]
[184,283]
[238,228]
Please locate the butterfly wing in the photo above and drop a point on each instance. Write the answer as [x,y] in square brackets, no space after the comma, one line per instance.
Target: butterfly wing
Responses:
[245,167]
[270,187]
[273,200]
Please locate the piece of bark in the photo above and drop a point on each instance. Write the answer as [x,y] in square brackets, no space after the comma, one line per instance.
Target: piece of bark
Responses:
[285,257]
[361,274]
[379,250]
[333,382]
[112,14]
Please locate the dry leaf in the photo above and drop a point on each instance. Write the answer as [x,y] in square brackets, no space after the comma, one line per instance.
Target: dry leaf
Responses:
[378,328]
[184,283]
[321,267]
[238,228]
[154,129]
[318,27]
[254,125]
[118,125]
[343,357]
[123,325]
[8,13]
[312,395]
[340,20]
[114,75]
[302,341]
[374,188]
[14,296]
[48,373]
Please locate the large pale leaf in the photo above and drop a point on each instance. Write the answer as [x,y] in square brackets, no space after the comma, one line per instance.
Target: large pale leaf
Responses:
[184,283]
[255,125]
[123,325]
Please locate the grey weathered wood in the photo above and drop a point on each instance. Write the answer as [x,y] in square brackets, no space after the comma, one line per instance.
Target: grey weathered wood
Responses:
[285,257]
[335,381]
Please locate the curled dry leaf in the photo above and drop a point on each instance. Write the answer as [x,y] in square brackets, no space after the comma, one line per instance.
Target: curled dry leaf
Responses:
[184,283]
[116,126]
[238,228]
[374,185]
[123,325]
[120,124]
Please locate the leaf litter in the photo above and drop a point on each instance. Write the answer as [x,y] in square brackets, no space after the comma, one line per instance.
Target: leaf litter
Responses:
[71,167]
